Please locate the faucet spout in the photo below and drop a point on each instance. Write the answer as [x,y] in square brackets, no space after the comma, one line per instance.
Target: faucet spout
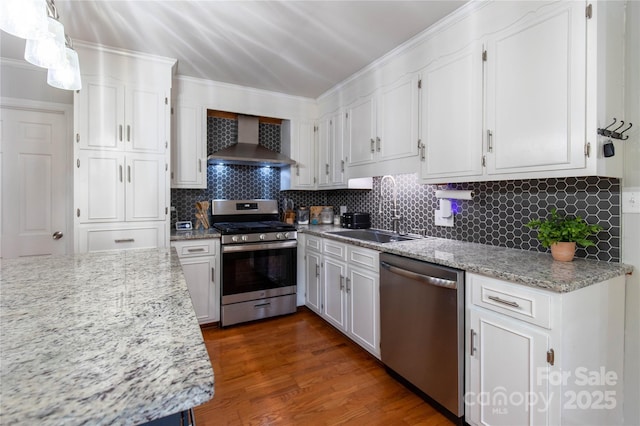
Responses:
[395,211]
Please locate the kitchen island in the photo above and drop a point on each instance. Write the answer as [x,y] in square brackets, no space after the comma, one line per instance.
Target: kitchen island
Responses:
[100,338]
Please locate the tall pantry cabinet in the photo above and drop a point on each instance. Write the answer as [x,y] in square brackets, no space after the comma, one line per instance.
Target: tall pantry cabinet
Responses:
[121,151]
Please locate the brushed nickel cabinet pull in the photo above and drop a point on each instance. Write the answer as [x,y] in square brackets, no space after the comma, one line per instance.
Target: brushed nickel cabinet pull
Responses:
[348,282]
[129,173]
[120,166]
[195,250]
[120,132]
[378,143]
[297,170]
[128,133]
[504,302]
[373,145]
[472,343]
[341,282]
[489,140]
[125,240]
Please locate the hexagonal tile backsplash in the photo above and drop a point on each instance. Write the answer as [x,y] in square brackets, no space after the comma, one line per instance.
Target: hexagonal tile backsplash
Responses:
[496,215]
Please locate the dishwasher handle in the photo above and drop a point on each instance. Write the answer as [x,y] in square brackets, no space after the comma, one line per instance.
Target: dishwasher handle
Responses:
[439,282]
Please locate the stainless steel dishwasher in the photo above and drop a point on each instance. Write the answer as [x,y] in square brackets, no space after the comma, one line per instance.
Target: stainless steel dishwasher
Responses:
[422,327]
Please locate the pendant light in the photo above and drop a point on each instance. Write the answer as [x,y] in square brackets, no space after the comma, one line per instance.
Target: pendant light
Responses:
[67,75]
[48,51]
[24,18]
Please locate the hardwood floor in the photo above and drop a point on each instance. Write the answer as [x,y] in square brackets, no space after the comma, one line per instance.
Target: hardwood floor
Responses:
[298,370]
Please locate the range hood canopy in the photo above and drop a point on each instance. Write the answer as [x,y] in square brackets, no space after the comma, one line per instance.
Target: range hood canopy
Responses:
[247,151]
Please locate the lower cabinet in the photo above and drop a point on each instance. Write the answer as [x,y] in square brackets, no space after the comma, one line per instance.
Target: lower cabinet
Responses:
[119,236]
[537,357]
[200,262]
[342,286]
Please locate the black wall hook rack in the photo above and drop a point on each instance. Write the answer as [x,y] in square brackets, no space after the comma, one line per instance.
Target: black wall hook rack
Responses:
[614,134]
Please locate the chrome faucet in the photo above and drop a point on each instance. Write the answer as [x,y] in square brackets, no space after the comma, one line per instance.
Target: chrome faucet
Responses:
[395,212]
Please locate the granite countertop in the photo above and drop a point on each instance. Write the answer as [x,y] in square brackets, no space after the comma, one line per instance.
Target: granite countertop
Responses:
[194,234]
[101,339]
[534,269]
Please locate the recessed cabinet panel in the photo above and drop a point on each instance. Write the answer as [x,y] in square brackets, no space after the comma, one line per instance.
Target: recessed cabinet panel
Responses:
[398,119]
[334,292]
[189,148]
[452,116]
[364,308]
[101,178]
[100,116]
[144,180]
[144,124]
[361,131]
[314,288]
[536,94]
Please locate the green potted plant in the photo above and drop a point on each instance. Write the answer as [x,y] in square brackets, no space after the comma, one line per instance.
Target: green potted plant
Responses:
[562,233]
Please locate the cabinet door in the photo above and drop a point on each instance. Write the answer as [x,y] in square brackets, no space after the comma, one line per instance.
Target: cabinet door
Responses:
[536,93]
[364,309]
[189,147]
[398,119]
[451,116]
[100,186]
[508,372]
[145,187]
[303,152]
[99,114]
[324,152]
[145,120]
[336,139]
[199,273]
[361,131]
[335,275]
[314,289]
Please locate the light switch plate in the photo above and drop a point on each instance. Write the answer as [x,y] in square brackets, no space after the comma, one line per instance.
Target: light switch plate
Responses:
[443,221]
[631,200]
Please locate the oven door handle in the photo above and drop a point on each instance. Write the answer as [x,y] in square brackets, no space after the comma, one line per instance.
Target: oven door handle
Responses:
[235,248]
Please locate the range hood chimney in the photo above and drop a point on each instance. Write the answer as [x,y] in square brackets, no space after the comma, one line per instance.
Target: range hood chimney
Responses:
[247,151]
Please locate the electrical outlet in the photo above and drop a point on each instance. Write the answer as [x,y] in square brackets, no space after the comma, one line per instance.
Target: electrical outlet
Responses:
[631,200]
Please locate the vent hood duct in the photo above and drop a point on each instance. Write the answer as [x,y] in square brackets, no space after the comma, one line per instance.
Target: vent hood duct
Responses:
[247,151]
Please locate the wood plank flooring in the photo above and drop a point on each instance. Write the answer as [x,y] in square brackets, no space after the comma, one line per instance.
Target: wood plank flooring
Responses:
[298,370]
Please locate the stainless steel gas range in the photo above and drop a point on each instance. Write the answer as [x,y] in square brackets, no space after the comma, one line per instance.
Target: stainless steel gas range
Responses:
[258,260]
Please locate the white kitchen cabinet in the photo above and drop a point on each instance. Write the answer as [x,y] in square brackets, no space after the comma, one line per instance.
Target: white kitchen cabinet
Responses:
[200,265]
[121,151]
[350,290]
[113,115]
[298,142]
[381,130]
[331,160]
[530,351]
[536,93]
[119,187]
[451,116]
[189,146]
[311,266]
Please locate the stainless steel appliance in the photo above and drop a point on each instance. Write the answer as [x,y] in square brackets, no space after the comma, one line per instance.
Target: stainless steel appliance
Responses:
[258,260]
[422,328]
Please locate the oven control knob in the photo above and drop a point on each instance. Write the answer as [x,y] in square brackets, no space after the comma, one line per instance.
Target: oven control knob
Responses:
[262,237]
[286,235]
[235,239]
[278,236]
[245,238]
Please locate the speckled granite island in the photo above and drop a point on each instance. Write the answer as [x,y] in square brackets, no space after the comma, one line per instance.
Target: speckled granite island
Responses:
[101,339]
[530,268]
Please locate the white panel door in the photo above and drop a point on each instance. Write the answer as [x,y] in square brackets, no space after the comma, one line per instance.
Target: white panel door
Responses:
[324,152]
[145,125]
[100,186]
[364,308]
[334,292]
[451,116]
[336,138]
[189,146]
[99,116]
[34,192]
[198,273]
[398,119]
[361,131]
[508,372]
[303,152]
[145,189]
[536,93]
[314,288]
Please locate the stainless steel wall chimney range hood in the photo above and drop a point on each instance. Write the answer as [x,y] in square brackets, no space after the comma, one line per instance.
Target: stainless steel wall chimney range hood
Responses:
[247,151]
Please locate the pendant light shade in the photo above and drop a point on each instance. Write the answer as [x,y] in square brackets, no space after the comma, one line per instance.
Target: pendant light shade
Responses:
[66,76]
[24,18]
[49,51]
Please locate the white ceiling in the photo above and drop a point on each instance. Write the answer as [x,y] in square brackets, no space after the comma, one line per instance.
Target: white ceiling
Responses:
[296,47]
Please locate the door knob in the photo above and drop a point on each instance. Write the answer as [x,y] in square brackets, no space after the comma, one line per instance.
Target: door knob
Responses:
[57,235]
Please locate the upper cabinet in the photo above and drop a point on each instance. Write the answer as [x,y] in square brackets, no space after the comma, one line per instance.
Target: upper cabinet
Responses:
[189,146]
[331,156]
[113,115]
[298,142]
[535,106]
[451,116]
[382,129]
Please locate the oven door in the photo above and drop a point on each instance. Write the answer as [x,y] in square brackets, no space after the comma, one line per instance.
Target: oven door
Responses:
[256,271]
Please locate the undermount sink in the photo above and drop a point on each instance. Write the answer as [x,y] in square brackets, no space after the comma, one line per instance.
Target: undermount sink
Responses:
[373,235]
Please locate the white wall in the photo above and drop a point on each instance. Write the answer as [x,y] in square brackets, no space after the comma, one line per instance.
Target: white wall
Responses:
[21,80]
[631,222]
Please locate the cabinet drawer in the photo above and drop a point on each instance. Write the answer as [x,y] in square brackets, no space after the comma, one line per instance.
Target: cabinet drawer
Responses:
[96,238]
[195,248]
[511,299]
[334,249]
[313,243]
[365,258]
